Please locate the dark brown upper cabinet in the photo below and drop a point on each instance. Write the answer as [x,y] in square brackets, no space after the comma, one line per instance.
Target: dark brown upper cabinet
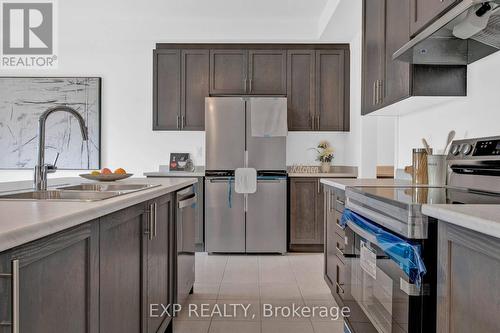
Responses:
[248,72]
[228,72]
[313,77]
[267,72]
[181,83]
[332,91]
[318,90]
[300,89]
[386,27]
[166,89]
[195,77]
[423,12]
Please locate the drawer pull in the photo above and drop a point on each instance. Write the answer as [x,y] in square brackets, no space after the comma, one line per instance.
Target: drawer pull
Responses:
[340,202]
[339,288]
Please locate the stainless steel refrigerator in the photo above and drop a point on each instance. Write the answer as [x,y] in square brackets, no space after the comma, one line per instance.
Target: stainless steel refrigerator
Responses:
[243,223]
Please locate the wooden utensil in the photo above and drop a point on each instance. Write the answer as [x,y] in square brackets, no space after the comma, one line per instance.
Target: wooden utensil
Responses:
[427,146]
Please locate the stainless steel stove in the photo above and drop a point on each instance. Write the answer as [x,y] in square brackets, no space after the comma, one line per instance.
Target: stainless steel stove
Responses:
[474,178]
[390,246]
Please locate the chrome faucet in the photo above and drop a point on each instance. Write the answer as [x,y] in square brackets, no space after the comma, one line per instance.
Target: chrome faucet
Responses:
[42,169]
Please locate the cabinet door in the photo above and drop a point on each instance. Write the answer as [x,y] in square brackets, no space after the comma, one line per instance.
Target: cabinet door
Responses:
[304,226]
[373,54]
[423,12]
[397,73]
[166,90]
[228,72]
[468,281]
[332,107]
[300,89]
[160,260]
[58,283]
[122,301]
[194,88]
[267,72]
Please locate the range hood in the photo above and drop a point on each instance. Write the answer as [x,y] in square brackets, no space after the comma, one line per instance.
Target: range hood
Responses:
[466,33]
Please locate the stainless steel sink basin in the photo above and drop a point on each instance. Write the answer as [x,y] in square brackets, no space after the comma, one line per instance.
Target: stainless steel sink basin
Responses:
[80,192]
[103,187]
[60,195]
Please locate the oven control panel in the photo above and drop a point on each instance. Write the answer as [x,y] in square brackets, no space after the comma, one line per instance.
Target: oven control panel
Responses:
[475,149]
[487,148]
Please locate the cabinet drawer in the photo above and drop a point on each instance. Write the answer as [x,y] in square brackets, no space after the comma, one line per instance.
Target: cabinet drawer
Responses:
[338,228]
[339,244]
[339,198]
[339,280]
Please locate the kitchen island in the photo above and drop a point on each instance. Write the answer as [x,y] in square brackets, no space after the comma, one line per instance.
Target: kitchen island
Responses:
[468,274]
[89,266]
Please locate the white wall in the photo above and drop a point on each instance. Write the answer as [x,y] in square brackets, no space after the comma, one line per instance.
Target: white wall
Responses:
[114,39]
[476,115]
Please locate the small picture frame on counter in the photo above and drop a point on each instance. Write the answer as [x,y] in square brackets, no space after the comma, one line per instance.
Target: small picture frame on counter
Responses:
[180,162]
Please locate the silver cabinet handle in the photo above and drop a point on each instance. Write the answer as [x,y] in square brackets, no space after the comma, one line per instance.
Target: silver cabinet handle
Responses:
[381,91]
[375,92]
[250,88]
[183,121]
[178,122]
[339,287]
[330,196]
[188,202]
[154,220]
[311,121]
[15,297]
[340,202]
[151,221]
[245,84]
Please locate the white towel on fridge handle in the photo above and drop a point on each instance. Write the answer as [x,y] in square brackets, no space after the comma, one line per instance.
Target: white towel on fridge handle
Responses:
[245,180]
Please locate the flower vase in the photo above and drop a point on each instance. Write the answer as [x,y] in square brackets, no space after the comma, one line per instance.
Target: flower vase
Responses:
[325,167]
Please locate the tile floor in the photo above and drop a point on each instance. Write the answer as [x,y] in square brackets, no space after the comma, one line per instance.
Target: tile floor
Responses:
[255,281]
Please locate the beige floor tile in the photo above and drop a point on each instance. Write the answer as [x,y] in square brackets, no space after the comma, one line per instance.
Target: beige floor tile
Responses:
[194,310]
[280,291]
[243,274]
[234,326]
[230,291]
[282,310]
[232,310]
[328,327]
[287,327]
[315,293]
[205,291]
[191,326]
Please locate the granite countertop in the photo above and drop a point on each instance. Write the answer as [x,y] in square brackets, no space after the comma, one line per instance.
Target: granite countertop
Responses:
[25,221]
[335,172]
[199,171]
[365,182]
[481,218]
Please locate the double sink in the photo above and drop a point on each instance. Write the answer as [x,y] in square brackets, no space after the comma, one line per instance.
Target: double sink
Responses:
[80,192]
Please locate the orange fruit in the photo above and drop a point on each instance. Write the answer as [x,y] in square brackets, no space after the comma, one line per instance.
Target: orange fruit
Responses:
[120,171]
[106,171]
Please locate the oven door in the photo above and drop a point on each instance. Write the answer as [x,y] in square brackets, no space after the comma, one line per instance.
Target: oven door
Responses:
[377,290]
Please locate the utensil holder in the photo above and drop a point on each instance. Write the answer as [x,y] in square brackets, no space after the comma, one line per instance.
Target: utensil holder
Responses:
[437,170]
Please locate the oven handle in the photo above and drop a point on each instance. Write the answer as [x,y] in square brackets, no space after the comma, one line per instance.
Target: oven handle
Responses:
[366,235]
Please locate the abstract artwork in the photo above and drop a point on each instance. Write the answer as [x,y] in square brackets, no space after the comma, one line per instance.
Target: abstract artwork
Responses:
[23,99]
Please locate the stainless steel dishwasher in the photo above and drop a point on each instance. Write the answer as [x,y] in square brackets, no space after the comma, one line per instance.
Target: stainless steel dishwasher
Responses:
[185,242]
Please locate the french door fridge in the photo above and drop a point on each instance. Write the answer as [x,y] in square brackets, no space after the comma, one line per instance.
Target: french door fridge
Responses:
[243,223]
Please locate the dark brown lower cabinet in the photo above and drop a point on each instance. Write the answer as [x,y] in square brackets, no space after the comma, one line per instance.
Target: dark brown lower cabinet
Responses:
[334,269]
[468,281]
[101,276]
[306,215]
[58,284]
[122,300]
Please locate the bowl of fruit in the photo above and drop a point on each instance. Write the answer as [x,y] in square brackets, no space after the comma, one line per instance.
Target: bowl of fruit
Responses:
[106,175]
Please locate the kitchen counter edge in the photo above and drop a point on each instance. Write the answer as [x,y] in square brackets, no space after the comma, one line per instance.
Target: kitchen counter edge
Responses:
[484,219]
[27,220]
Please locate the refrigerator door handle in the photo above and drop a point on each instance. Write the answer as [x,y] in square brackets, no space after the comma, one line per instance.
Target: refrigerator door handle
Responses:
[246,203]
[246,158]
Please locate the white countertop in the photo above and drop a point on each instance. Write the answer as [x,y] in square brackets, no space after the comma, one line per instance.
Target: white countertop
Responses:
[25,221]
[365,182]
[335,172]
[199,171]
[481,218]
